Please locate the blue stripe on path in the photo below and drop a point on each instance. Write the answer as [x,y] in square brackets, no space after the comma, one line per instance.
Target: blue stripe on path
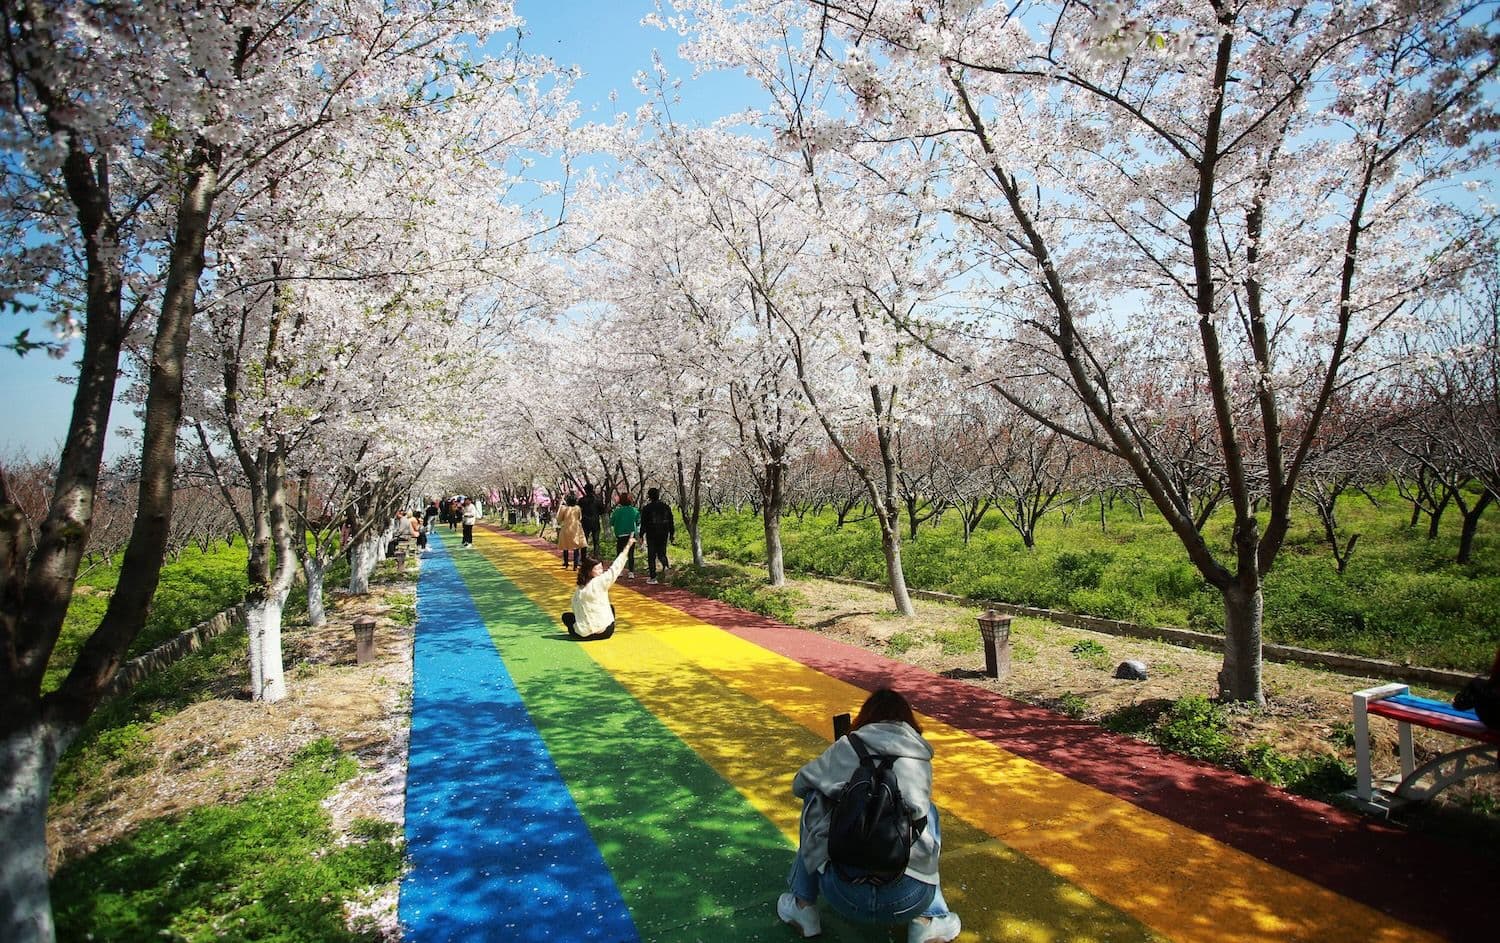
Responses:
[497,848]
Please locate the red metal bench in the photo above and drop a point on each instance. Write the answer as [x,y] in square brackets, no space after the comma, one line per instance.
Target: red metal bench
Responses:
[1418,784]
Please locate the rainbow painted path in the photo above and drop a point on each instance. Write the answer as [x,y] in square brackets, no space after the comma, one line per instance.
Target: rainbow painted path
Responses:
[640,789]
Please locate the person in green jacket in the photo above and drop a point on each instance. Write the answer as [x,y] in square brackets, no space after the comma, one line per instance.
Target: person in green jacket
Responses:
[625,521]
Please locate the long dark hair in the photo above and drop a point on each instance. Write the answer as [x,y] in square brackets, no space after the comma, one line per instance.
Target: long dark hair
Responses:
[585,567]
[883,705]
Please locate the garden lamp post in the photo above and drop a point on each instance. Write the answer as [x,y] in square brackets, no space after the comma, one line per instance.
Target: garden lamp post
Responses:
[364,640]
[994,628]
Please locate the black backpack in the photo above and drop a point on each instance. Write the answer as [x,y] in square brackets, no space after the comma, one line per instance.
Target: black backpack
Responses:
[870,833]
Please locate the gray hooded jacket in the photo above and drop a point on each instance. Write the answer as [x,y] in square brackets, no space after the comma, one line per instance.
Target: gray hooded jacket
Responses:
[819,780]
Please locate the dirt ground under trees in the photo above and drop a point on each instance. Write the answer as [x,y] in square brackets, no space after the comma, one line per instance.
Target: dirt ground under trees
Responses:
[225,746]
[1307,711]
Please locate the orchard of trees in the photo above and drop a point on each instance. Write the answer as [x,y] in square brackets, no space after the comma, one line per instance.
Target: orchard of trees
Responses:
[956,257]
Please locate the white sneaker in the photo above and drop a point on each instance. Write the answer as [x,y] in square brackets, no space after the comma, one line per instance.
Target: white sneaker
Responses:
[934,929]
[805,919]
[651,582]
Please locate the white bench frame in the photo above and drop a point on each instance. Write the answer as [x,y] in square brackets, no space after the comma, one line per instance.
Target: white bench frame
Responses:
[1415,784]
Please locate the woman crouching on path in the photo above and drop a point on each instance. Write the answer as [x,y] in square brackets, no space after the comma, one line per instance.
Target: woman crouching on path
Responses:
[593,617]
[886,728]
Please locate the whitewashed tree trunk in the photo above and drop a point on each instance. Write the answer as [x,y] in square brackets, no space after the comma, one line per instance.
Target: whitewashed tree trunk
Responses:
[255,628]
[28,759]
[366,555]
[315,570]
[272,685]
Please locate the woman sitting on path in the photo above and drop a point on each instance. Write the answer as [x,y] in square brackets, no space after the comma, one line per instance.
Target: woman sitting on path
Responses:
[570,537]
[887,728]
[593,617]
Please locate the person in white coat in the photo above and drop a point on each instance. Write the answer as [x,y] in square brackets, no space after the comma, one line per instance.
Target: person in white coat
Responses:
[887,727]
[470,518]
[593,617]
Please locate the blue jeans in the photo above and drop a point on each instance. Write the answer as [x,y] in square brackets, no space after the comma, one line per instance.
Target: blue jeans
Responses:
[898,902]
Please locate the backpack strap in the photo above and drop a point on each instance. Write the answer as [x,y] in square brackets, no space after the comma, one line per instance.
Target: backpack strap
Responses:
[866,758]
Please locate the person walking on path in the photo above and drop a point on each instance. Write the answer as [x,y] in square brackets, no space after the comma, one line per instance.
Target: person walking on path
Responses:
[659,526]
[886,727]
[471,517]
[625,521]
[419,530]
[431,514]
[592,510]
[570,537]
[593,617]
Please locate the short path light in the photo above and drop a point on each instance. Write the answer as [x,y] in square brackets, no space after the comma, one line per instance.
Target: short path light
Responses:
[364,640]
[994,627]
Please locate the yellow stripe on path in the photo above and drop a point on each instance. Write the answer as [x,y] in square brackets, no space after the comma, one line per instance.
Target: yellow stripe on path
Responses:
[1181,883]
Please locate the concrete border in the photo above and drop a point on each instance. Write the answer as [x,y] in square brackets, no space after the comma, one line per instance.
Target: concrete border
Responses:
[1332,661]
[132,672]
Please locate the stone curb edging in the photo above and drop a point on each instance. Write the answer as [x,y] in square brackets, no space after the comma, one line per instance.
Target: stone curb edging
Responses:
[132,672]
[1342,664]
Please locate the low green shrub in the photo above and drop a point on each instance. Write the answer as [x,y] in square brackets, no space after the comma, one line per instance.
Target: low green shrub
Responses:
[1091,653]
[1137,720]
[966,642]
[739,588]
[1319,776]
[404,610]
[1077,570]
[1196,727]
[901,643]
[1073,705]
[265,868]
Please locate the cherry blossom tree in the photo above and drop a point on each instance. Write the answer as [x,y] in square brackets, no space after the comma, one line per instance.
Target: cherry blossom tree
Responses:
[131,131]
[1233,191]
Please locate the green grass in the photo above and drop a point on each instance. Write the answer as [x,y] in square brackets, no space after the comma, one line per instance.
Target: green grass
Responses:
[739,587]
[1402,597]
[118,724]
[190,591]
[263,869]
[902,642]
[1074,705]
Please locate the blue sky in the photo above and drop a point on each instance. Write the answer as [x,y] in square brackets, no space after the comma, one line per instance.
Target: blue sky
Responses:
[603,37]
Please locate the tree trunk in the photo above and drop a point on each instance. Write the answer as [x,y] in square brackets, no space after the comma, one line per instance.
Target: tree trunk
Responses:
[890,543]
[362,563]
[263,622]
[28,759]
[773,499]
[1471,525]
[1435,516]
[1240,679]
[690,498]
[315,569]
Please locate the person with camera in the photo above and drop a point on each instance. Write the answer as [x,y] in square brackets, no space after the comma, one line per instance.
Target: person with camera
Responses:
[898,884]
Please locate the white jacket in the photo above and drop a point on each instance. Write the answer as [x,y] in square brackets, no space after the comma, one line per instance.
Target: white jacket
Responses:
[819,780]
[591,601]
[471,515]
